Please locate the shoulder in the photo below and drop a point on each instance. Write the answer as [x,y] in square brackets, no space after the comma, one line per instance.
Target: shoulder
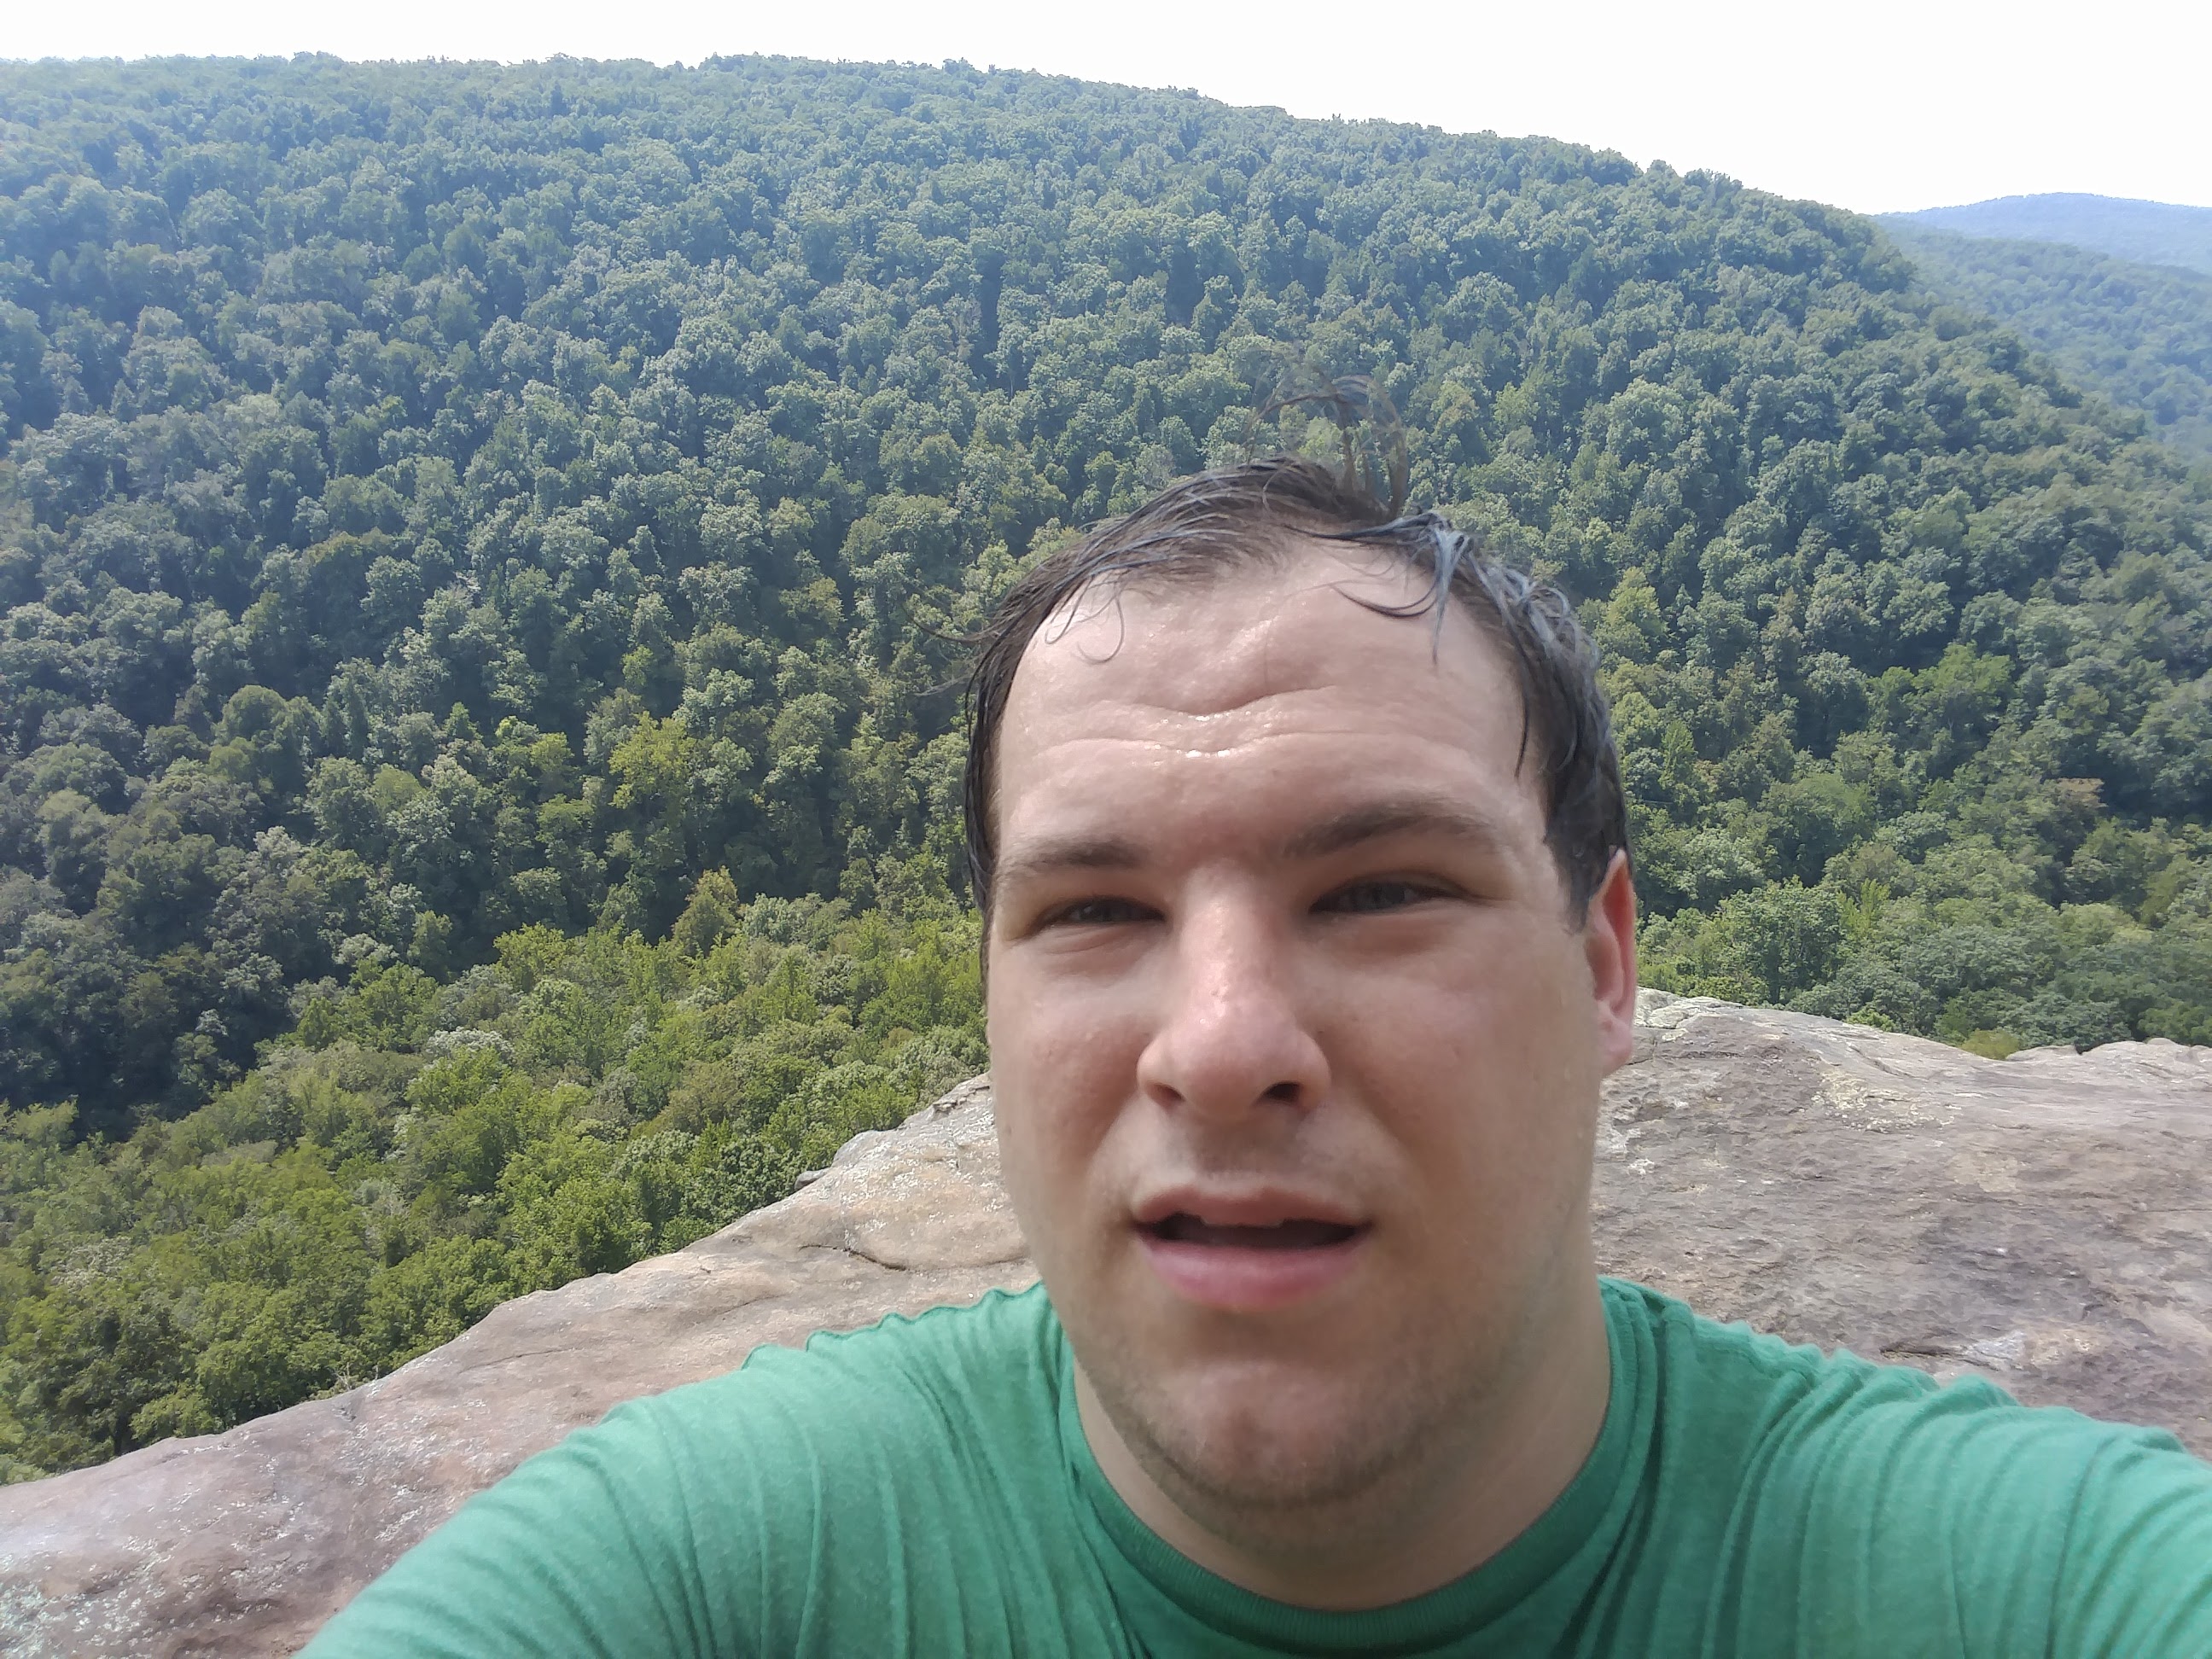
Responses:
[1729,1380]
[1727,1374]
[974,1343]
[739,1514]
[1937,1501]
[888,1390]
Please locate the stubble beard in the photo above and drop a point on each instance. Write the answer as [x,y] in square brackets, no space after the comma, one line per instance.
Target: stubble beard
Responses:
[1269,1472]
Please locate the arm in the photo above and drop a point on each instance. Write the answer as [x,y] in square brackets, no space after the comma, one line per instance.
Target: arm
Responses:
[2137,1577]
[587,1549]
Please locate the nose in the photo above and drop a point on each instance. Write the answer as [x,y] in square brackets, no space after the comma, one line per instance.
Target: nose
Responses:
[1235,1036]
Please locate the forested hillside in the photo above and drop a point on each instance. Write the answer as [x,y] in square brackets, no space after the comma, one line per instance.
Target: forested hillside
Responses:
[483,549]
[2145,232]
[2140,334]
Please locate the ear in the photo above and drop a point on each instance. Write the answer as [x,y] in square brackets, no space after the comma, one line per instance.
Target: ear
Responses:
[1609,946]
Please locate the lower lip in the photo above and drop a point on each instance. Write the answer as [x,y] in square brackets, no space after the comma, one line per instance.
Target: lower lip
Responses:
[1238,1280]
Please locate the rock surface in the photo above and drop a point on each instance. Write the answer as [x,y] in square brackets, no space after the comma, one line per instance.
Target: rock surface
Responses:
[2045,1221]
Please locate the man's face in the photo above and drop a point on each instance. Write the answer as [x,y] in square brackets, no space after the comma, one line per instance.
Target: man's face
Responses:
[1296,1049]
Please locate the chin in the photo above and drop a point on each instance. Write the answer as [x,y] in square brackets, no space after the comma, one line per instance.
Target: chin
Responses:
[1257,1439]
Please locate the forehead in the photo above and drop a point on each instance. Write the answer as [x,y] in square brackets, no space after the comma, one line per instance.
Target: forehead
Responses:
[1273,680]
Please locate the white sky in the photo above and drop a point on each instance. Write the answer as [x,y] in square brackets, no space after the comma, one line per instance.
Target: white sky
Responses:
[1876,105]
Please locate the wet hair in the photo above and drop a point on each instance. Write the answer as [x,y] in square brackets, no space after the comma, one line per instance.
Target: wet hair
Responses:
[1209,527]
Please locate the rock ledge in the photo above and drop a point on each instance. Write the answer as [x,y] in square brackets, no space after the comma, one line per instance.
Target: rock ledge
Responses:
[2044,1220]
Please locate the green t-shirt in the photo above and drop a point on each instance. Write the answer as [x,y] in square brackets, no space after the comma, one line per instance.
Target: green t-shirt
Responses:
[925,1487]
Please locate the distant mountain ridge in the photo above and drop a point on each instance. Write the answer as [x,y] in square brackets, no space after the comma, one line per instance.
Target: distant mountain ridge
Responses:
[2141,334]
[2149,233]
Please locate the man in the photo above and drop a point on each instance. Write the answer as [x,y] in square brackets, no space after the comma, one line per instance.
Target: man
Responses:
[1310,937]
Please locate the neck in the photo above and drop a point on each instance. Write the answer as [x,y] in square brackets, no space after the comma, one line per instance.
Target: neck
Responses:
[1481,1482]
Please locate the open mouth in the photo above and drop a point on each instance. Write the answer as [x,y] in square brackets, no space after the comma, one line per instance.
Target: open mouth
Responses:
[1183,1228]
[1251,1267]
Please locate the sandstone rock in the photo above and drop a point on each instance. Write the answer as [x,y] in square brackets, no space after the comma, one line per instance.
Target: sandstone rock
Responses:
[2044,1220]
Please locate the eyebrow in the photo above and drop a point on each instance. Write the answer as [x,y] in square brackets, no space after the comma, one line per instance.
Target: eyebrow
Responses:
[1370,821]
[1052,854]
[1404,816]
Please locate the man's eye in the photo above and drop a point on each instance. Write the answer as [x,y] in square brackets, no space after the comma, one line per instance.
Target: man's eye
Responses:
[1366,898]
[1098,913]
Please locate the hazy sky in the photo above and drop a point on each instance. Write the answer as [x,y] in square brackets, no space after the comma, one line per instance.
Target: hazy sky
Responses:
[1871,104]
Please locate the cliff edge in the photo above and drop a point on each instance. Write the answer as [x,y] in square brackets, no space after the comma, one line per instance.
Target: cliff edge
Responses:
[2044,1220]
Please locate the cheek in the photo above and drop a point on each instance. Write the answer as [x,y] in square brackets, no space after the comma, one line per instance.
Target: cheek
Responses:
[1062,1073]
[1053,1047]
[1488,1075]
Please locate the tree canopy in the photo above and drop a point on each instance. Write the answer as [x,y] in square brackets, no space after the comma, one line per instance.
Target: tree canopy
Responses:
[482,552]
